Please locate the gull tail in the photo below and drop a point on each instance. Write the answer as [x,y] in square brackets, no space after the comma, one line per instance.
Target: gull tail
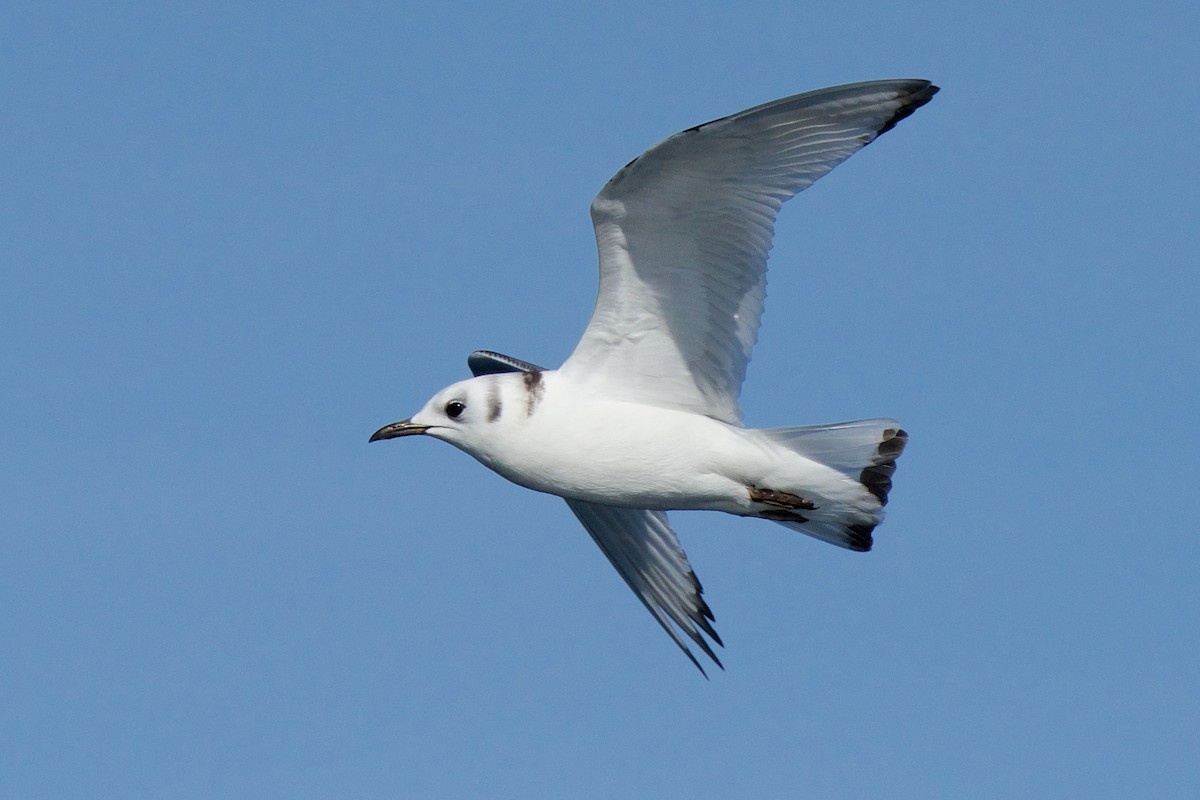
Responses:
[865,451]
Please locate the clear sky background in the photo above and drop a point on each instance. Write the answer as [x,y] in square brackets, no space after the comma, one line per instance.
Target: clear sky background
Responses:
[235,241]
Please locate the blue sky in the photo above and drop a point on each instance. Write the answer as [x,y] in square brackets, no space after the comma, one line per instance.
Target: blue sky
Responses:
[236,241]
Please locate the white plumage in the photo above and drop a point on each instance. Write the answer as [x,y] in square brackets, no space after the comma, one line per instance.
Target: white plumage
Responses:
[643,417]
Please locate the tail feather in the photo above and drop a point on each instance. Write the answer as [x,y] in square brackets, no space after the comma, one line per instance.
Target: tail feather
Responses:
[864,451]
[877,476]
[851,536]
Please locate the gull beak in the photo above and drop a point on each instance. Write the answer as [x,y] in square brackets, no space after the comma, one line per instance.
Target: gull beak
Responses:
[405,427]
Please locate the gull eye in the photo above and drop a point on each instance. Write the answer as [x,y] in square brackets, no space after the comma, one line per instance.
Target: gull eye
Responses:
[455,408]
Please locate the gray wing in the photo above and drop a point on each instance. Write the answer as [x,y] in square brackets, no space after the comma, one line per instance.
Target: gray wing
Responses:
[489,362]
[644,549]
[683,233]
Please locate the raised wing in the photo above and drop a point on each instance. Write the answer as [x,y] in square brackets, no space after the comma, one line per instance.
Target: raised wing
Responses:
[644,549]
[489,362]
[683,233]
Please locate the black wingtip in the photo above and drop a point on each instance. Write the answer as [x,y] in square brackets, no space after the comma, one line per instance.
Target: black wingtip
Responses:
[707,651]
[697,664]
[919,97]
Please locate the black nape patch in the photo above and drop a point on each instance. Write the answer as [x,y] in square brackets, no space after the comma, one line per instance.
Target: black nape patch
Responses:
[878,476]
[534,389]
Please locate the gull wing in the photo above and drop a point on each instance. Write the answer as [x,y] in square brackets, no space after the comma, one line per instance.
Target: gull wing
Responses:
[644,549]
[489,362]
[683,233]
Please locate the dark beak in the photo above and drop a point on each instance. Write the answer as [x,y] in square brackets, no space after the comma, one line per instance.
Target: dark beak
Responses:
[405,427]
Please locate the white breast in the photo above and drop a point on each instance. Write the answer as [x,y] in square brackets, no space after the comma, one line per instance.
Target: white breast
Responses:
[555,437]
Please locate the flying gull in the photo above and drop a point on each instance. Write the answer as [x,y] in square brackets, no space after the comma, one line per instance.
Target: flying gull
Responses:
[643,417]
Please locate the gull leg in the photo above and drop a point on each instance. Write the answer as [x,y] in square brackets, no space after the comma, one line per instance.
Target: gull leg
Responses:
[785,504]
[779,499]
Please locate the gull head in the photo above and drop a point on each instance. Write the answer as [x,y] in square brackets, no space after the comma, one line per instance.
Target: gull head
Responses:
[458,414]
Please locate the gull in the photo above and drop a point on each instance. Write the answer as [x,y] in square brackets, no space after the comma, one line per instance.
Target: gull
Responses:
[643,417]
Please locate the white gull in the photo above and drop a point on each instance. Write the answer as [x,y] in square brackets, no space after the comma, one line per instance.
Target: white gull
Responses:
[643,418]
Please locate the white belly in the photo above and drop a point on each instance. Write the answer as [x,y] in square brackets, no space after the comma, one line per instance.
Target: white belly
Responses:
[626,454]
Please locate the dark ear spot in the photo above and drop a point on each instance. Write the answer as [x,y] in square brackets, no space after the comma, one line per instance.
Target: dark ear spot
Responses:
[494,404]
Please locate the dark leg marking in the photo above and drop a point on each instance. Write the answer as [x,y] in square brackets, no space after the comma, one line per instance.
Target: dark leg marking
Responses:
[534,389]
[781,499]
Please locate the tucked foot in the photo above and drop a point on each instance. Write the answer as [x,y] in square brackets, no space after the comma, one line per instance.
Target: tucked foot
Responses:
[785,500]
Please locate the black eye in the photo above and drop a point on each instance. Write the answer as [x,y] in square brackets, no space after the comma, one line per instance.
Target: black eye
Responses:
[455,408]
